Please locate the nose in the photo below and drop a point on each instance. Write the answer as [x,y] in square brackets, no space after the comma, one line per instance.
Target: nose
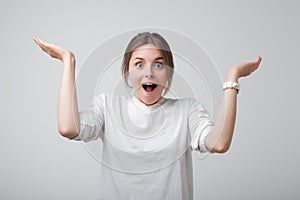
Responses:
[149,72]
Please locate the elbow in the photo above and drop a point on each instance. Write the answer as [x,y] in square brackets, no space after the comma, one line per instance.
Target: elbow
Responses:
[68,132]
[221,148]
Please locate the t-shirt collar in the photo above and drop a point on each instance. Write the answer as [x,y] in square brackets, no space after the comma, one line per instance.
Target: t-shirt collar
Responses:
[141,105]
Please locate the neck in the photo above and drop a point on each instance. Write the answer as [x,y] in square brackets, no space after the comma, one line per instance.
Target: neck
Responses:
[148,102]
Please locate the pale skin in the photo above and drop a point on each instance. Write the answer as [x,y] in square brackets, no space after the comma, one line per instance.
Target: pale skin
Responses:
[145,68]
[67,107]
[219,140]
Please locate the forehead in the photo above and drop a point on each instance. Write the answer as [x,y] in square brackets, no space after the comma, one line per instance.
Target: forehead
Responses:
[147,51]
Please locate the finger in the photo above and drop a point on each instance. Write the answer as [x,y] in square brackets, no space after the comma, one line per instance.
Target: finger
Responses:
[43,45]
[39,42]
[256,63]
[258,60]
[36,40]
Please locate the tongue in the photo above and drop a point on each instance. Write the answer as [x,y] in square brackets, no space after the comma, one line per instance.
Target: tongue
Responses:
[148,88]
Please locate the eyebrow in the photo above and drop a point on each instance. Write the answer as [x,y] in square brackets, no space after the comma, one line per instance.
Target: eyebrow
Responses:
[158,58]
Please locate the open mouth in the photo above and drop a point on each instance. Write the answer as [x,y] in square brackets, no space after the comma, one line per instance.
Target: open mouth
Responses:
[149,87]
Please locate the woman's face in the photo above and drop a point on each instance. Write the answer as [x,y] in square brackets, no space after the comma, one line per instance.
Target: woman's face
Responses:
[148,73]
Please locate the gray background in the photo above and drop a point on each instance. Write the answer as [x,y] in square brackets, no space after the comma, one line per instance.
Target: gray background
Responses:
[263,162]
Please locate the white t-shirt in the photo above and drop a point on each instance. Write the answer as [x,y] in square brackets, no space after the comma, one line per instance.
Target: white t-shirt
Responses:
[146,149]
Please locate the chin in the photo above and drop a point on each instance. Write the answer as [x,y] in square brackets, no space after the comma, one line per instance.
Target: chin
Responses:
[148,98]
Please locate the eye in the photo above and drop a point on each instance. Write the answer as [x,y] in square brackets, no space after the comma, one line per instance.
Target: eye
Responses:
[139,65]
[158,65]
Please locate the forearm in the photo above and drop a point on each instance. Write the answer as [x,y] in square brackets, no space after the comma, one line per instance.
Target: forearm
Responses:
[67,109]
[67,114]
[220,138]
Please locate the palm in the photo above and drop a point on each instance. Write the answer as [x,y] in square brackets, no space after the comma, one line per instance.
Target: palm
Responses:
[53,50]
[246,69]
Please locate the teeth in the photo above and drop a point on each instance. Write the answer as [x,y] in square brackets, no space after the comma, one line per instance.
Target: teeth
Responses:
[148,84]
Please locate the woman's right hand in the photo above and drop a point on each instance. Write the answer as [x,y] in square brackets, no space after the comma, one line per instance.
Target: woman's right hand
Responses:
[54,51]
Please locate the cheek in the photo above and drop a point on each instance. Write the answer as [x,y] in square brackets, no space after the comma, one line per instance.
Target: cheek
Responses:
[163,78]
[134,77]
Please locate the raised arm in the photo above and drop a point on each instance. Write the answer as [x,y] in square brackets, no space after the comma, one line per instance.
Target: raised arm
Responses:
[220,138]
[67,114]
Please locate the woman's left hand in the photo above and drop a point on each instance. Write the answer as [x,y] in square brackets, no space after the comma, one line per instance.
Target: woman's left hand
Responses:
[243,70]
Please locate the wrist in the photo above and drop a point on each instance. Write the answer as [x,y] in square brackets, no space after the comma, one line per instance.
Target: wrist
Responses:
[69,60]
[231,85]
[232,75]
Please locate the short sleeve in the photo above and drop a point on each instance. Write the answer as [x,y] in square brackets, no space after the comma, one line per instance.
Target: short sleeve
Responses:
[200,124]
[92,120]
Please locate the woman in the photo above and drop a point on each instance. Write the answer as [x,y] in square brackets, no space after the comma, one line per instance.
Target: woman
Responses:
[147,138]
